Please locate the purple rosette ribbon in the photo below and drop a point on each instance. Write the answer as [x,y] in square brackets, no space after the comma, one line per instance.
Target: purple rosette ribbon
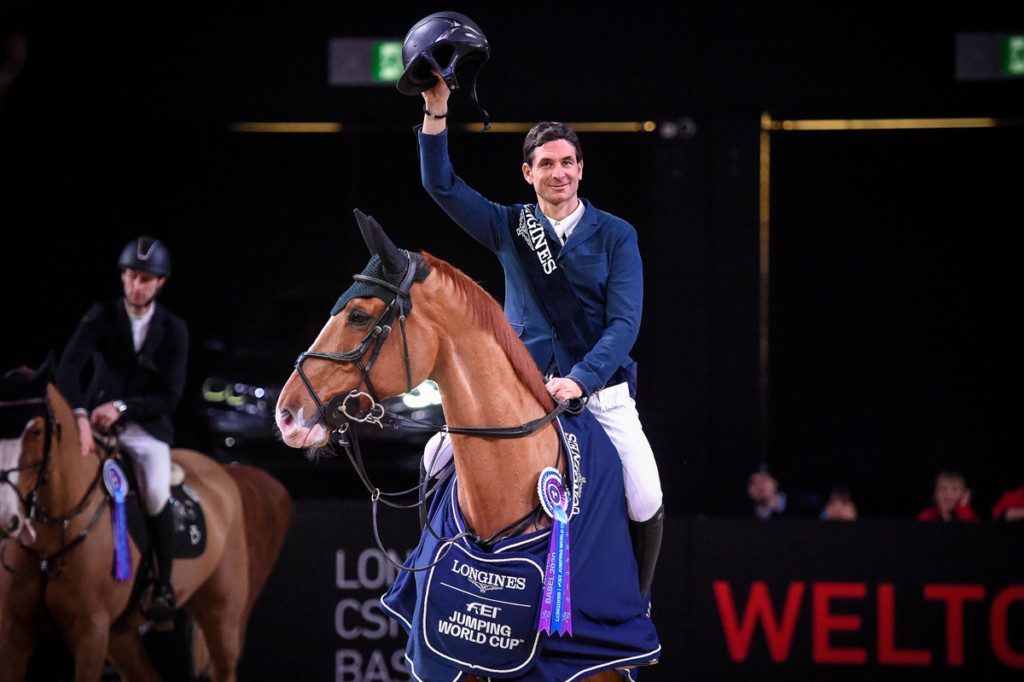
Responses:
[117,485]
[556,601]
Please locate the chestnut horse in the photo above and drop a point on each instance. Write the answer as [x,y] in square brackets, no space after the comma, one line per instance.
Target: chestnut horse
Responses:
[247,513]
[459,337]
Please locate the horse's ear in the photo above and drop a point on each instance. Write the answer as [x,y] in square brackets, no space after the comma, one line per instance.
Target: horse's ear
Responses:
[44,373]
[380,244]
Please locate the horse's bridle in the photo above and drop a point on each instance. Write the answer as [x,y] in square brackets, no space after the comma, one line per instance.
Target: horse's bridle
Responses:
[337,416]
[30,501]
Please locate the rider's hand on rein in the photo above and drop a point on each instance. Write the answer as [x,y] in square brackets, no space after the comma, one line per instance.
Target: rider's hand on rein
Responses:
[85,437]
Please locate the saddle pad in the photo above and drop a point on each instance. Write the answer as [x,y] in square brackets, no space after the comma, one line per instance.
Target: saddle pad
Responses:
[452,633]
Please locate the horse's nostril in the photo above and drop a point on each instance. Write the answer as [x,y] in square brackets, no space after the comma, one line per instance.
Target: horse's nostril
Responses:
[15,524]
[286,418]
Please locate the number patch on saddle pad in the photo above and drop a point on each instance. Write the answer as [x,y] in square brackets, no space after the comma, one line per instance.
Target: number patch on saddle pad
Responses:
[480,611]
[189,523]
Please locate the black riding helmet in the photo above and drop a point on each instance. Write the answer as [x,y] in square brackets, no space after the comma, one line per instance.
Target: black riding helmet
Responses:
[146,254]
[449,43]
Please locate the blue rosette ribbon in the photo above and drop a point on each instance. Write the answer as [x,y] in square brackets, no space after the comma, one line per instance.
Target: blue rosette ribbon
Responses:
[117,485]
[556,602]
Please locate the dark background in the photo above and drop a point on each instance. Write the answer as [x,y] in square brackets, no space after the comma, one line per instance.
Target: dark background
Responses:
[894,283]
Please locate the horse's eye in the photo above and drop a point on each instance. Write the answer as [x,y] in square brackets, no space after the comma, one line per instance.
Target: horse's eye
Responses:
[358,318]
[37,433]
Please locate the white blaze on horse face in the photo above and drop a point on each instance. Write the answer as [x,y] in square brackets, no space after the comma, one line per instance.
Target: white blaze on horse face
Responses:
[10,506]
[296,434]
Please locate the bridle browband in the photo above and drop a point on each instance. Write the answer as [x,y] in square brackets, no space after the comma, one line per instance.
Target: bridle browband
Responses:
[34,511]
[338,417]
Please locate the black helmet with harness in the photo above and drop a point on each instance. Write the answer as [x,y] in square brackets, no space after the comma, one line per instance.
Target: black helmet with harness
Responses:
[449,43]
[146,254]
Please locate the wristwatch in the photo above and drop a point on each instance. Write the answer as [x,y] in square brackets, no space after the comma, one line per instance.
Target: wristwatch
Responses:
[119,404]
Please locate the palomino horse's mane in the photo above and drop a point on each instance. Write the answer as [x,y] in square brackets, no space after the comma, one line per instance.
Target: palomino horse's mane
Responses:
[485,312]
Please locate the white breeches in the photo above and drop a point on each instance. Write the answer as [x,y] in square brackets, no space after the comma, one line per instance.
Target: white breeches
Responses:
[153,458]
[616,411]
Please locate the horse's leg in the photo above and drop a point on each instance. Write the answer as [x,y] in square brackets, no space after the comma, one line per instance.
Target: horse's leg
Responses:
[20,601]
[87,635]
[17,640]
[130,658]
[219,610]
[219,607]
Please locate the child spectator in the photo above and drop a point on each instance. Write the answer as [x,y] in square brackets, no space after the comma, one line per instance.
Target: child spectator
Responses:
[952,500]
[840,506]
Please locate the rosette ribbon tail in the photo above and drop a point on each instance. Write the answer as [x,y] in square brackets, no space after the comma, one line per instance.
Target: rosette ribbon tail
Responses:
[556,605]
[122,553]
[117,485]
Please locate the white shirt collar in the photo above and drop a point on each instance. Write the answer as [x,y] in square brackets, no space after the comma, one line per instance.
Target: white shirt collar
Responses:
[140,324]
[565,227]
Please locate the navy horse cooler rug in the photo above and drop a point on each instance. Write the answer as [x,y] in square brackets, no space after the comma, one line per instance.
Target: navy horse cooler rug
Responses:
[477,612]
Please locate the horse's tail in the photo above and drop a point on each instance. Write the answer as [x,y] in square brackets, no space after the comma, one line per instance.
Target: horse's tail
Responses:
[267,511]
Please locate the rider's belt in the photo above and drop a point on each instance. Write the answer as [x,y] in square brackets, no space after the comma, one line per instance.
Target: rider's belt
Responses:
[610,396]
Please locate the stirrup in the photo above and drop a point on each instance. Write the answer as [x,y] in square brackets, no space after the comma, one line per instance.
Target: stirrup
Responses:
[162,607]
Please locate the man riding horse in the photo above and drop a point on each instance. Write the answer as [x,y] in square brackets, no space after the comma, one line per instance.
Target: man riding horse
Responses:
[573,275]
[139,353]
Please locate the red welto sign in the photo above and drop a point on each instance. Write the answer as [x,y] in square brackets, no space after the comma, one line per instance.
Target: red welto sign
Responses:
[741,620]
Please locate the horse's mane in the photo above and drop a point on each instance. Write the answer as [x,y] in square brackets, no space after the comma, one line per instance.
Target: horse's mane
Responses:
[488,315]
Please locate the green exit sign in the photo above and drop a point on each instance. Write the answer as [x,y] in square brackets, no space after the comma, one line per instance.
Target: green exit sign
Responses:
[364,62]
[1013,62]
[989,56]
[387,61]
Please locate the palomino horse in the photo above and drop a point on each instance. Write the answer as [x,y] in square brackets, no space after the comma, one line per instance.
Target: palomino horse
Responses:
[246,510]
[456,335]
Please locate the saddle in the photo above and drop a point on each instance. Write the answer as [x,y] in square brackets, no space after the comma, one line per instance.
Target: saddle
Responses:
[189,522]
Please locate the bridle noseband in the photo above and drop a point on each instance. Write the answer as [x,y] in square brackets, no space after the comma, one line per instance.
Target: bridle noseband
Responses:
[337,414]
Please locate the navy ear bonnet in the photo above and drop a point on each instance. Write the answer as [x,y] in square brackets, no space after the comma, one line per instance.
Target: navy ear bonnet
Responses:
[22,397]
[376,269]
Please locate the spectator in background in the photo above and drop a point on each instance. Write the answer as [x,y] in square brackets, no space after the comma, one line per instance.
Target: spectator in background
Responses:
[763,490]
[1010,506]
[13,44]
[840,506]
[952,500]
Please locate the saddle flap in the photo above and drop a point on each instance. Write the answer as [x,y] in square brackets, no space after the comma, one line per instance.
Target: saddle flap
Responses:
[189,539]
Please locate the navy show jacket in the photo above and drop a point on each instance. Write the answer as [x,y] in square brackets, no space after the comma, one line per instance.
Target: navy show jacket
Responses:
[601,261]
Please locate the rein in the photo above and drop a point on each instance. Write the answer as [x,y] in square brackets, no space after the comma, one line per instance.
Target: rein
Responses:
[35,512]
[338,416]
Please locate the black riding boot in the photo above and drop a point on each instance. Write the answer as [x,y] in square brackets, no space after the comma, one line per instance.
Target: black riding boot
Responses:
[646,536]
[162,604]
